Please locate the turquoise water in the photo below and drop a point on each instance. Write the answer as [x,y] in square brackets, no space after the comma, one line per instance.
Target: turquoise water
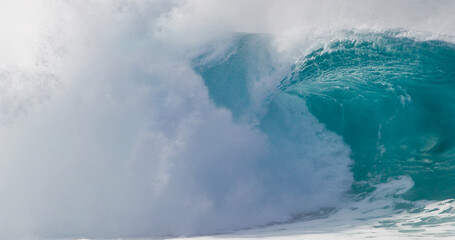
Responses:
[390,97]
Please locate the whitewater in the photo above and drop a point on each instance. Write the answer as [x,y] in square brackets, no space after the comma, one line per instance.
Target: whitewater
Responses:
[227,119]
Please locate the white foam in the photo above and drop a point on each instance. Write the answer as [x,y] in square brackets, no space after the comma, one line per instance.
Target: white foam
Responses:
[374,217]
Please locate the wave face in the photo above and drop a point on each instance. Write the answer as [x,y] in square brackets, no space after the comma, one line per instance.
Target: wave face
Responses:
[390,97]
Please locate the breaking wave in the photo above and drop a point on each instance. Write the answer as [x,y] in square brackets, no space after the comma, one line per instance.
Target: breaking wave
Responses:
[150,118]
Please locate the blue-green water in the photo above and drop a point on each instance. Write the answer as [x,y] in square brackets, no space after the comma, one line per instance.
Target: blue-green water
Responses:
[391,98]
